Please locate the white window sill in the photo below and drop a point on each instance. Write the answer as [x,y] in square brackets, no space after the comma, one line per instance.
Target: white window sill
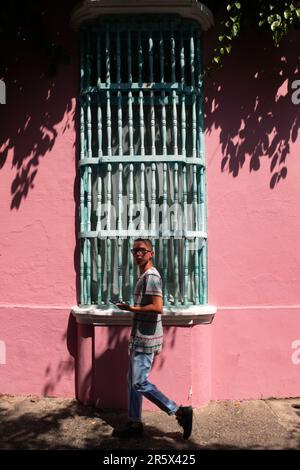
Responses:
[92,9]
[176,316]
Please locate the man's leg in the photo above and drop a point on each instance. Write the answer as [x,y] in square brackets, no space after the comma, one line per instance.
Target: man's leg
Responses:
[141,364]
[135,398]
[134,426]
[138,385]
[141,367]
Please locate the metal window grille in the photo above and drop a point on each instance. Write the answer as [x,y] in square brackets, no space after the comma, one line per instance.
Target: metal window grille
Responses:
[142,167]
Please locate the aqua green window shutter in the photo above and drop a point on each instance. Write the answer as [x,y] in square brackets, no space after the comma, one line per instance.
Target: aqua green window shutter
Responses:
[142,147]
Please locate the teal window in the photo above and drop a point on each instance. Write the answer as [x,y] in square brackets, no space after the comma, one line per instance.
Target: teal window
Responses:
[142,162]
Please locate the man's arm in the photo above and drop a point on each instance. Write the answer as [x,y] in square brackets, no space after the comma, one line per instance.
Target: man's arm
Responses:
[156,306]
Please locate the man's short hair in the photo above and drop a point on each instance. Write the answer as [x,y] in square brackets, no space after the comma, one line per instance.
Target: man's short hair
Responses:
[146,241]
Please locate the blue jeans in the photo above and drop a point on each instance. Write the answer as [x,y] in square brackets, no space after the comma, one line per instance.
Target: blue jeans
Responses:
[138,386]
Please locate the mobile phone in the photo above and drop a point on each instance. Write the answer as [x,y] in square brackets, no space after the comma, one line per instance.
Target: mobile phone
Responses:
[117,302]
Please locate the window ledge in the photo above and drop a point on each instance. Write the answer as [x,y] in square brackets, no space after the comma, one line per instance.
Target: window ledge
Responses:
[176,316]
[91,9]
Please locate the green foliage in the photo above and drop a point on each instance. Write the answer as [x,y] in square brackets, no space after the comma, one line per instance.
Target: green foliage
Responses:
[275,17]
[22,24]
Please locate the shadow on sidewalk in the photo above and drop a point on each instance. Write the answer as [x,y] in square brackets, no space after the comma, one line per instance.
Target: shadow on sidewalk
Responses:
[41,423]
[35,423]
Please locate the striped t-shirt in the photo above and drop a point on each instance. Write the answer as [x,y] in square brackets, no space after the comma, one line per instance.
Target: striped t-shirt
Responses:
[147,332]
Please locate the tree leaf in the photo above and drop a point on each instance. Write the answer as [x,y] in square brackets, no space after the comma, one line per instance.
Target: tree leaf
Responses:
[275,25]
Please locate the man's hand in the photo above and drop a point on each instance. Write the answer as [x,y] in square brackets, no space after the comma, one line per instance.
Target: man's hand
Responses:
[123,306]
[156,306]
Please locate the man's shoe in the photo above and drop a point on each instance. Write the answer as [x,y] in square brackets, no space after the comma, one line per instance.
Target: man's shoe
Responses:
[131,429]
[184,416]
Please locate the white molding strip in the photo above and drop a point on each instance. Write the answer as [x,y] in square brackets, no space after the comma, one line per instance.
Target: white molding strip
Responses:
[91,9]
[36,307]
[234,307]
[106,316]
[259,307]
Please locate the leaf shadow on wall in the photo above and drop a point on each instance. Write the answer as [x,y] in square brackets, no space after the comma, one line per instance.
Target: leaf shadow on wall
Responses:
[65,368]
[38,107]
[105,381]
[250,101]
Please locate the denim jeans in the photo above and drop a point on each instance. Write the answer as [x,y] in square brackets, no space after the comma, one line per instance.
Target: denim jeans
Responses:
[138,386]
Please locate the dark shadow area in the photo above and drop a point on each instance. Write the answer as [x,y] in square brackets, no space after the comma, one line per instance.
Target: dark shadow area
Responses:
[249,102]
[154,437]
[51,424]
[65,368]
[76,195]
[35,423]
[109,370]
[107,376]
[296,428]
[37,105]
[46,428]
[75,427]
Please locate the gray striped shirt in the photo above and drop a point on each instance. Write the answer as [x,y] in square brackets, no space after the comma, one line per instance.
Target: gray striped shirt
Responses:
[147,332]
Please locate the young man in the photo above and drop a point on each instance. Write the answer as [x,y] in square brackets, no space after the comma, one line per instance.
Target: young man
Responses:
[145,342]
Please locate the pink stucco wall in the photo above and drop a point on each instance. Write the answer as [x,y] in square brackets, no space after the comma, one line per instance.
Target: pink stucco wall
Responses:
[253,168]
[182,371]
[38,217]
[252,150]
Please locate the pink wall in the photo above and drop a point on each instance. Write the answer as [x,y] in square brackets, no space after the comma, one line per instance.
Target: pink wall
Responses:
[40,351]
[38,215]
[252,353]
[252,149]
[181,371]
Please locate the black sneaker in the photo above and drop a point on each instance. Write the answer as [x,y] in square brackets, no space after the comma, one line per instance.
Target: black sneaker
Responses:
[131,429]
[184,416]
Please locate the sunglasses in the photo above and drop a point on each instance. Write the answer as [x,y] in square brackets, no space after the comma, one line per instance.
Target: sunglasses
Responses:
[143,251]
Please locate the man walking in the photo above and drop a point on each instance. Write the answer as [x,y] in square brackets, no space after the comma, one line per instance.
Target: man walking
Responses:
[145,342]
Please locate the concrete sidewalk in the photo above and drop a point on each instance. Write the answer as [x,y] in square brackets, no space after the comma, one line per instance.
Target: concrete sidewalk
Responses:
[54,423]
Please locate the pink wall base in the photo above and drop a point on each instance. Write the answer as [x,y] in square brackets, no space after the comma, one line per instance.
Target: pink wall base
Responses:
[246,353]
[254,353]
[40,346]
[85,362]
[181,371]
